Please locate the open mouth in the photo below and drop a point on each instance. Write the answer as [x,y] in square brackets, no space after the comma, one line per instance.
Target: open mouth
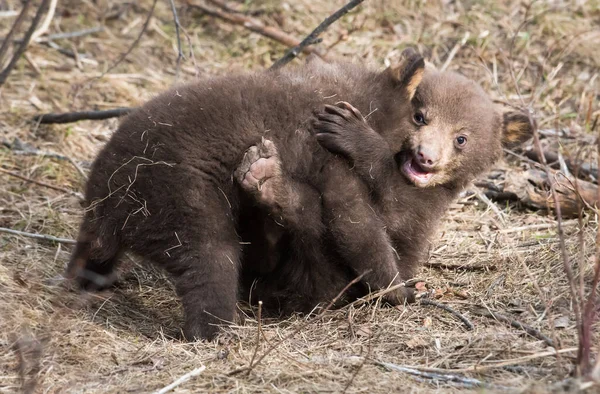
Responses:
[414,172]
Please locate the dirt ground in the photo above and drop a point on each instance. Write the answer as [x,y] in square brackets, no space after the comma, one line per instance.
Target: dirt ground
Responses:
[505,260]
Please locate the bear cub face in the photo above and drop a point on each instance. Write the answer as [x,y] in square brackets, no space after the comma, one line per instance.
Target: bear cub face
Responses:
[455,131]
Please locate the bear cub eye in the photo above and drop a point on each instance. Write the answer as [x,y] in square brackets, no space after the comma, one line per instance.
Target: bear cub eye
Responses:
[461,141]
[419,118]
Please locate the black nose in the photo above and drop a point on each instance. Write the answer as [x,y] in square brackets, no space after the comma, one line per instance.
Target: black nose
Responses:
[426,158]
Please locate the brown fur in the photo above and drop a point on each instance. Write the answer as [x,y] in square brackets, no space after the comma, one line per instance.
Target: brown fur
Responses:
[163,188]
[453,106]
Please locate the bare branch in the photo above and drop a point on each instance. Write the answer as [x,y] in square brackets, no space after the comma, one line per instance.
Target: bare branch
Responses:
[256,26]
[462,318]
[310,39]
[180,55]
[70,117]
[23,45]
[13,30]
[49,186]
[38,236]
[514,323]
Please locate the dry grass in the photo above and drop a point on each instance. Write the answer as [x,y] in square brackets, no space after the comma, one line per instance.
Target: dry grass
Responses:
[122,340]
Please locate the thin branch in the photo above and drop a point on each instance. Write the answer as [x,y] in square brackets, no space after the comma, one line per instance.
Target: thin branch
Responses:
[436,376]
[181,380]
[514,323]
[49,186]
[480,368]
[254,25]
[70,117]
[52,155]
[133,44]
[46,24]
[23,45]
[462,318]
[13,30]
[292,53]
[180,55]
[258,331]
[71,34]
[38,236]
[299,328]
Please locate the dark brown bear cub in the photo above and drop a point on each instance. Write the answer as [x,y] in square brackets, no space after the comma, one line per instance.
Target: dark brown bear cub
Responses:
[456,133]
[163,186]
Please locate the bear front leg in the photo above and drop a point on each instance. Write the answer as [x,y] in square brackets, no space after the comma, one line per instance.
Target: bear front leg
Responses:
[343,130]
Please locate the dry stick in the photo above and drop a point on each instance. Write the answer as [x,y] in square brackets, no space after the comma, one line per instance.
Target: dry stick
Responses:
[254,25]
[297,329]
[561,237]
[49,186]
[23,45]
[181,380]
[472,267]
[71,34]
[360,366]
[258,331]
[38,236]
[177,26]
[467,322]
[52,155]
[13,29]
[292,53]
[501,364]
[133,44]
[516,324]
[469,382]
[70,117]
[589,312]
[46,23]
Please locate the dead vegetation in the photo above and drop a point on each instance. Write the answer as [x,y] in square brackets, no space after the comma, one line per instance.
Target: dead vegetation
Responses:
[499,266]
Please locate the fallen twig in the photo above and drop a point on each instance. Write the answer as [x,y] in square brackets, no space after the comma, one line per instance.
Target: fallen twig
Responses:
[71,34]
[177,34]
[255,26]
[458,267]
[13,29]
[467,322]
[298,328]
[23,45]
[436,376]
[181,380]
[38,236]
[501,364]
[46,23]
[310,39]
[51,155]
[70,117]
[49,186]
[133,44]
[514,323]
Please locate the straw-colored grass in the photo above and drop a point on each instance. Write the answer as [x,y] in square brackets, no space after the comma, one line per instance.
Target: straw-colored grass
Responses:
[122,340]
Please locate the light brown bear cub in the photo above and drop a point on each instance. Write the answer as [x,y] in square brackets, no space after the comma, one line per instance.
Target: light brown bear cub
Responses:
[163,186]
[456,132]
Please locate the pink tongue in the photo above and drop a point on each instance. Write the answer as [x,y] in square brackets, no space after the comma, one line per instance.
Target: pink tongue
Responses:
[417,168]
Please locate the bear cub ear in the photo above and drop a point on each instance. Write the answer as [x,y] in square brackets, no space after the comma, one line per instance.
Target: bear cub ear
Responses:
[516,126]
[408,73]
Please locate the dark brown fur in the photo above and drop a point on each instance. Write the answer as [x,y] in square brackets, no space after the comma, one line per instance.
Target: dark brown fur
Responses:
[163,188]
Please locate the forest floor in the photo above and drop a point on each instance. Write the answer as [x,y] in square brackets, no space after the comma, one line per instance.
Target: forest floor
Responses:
[504,260]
